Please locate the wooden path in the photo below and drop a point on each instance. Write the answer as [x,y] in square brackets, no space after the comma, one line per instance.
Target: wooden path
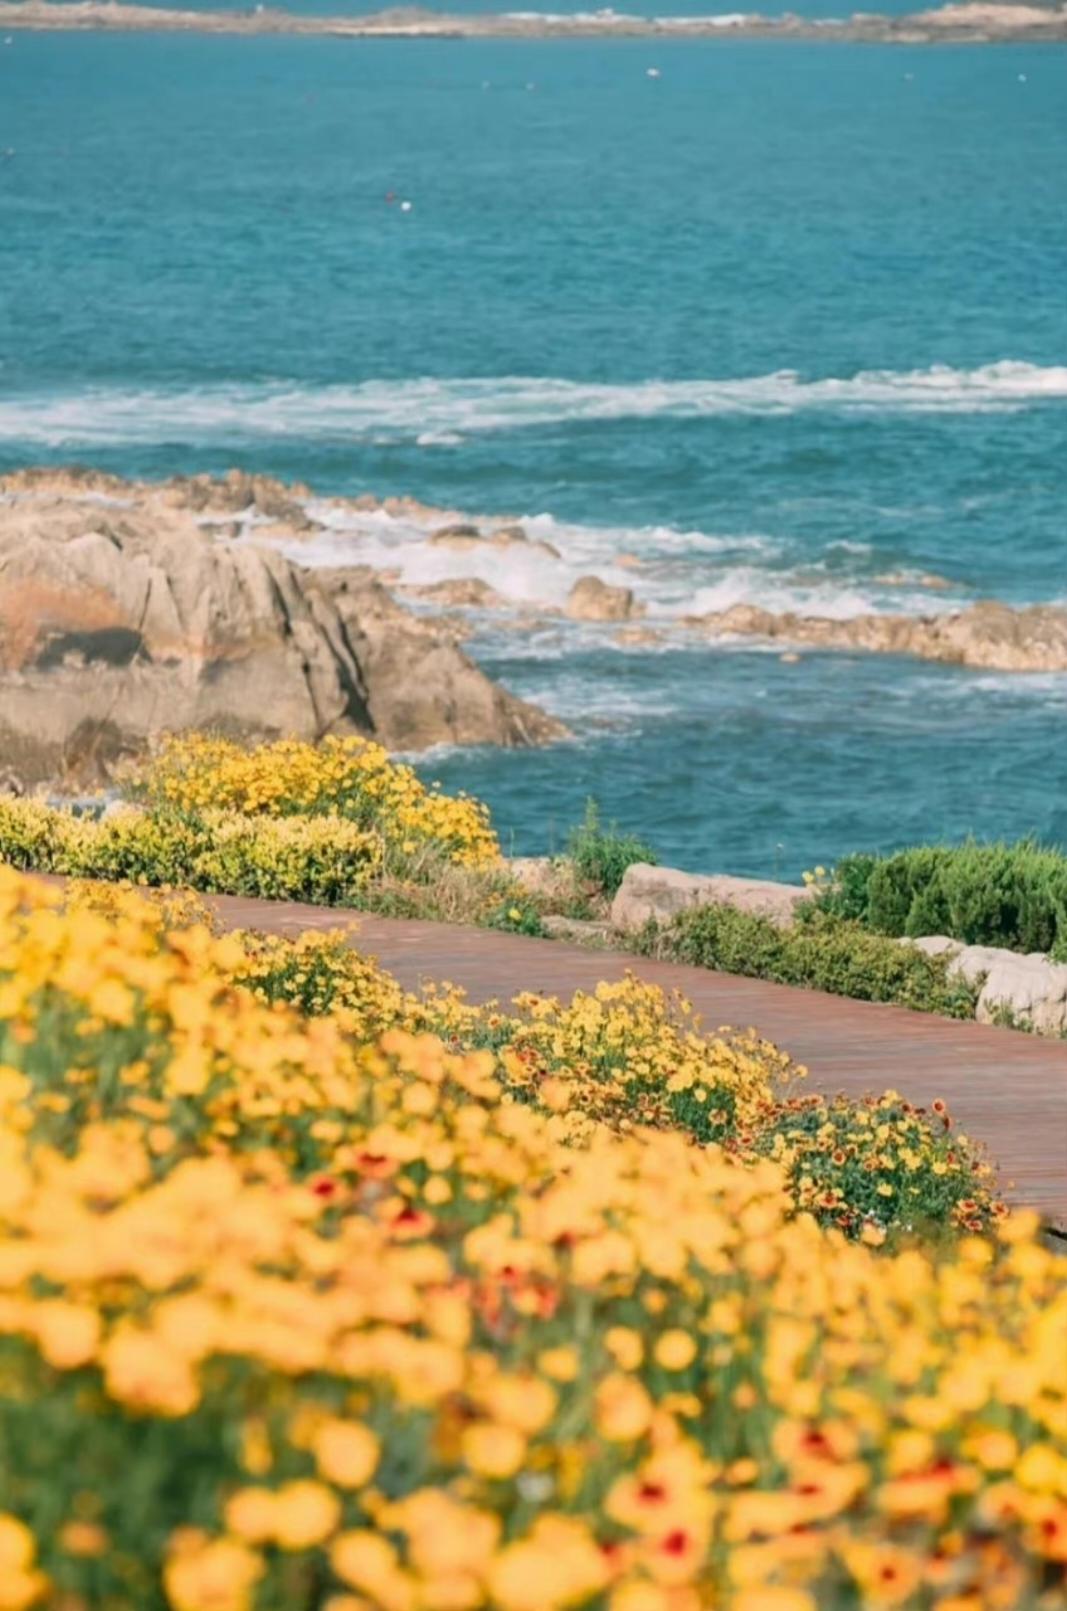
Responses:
[1004,1088]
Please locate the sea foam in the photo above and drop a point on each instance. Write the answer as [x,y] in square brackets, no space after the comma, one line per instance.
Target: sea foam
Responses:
[232,415]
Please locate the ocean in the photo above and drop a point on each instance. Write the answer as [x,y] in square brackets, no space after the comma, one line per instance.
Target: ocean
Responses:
[781,323]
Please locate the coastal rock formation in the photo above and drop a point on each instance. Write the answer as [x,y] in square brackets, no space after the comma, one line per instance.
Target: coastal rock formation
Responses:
[461,592]
[122,614]
[660,893]
[988,636]
[1027,989]
[590,599]
[421,689]
[463,538]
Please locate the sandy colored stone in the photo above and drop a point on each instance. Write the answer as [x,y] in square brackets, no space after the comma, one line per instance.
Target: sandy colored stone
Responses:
[122,616]
[591,599]
[463,592]
[660,893]
[989,636]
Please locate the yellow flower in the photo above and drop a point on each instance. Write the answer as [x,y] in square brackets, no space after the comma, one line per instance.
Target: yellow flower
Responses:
[251,1515]
[623,1409]
[219,1575]
[68,1334]
[305,1513]
[493,1450]
[769,1598]
[675,1350]
[367,1561]
[346,1453]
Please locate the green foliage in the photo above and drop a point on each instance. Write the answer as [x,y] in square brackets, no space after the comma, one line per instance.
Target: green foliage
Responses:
[516,915]
[601,855]
[1011,895]
[825,953]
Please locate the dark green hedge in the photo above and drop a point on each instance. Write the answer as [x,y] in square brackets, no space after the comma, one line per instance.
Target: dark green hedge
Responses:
[825,953]
[1008,895]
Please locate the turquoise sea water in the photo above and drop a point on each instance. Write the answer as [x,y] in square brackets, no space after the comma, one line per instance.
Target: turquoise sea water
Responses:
[782,322]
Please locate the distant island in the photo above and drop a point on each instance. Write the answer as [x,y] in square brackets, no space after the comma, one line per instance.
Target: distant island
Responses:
[976,22]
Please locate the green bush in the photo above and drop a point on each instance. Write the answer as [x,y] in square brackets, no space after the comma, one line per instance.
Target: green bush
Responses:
[827,952]
[601,855]
[998,894]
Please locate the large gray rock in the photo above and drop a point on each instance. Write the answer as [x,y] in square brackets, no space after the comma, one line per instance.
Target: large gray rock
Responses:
[1027,988]
[662,892]
[1031,988]
[122,615]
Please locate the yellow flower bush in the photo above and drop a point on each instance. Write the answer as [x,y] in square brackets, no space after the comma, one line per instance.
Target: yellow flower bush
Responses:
[352,778]
[326,860]
[292,1319]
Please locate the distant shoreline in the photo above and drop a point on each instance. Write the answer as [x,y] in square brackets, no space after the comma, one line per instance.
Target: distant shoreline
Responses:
[974,23]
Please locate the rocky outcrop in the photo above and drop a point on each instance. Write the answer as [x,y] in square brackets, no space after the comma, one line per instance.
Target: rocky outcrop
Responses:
[660,893]
[123,615]
[590,599]
[988,636]
[1028,990]
[461,592]
[462,537]
[421,688]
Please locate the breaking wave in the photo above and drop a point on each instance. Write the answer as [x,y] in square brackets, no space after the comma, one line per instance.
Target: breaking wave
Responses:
[438,412]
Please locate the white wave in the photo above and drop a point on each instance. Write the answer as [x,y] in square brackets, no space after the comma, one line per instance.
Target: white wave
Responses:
[672,572]
[232,415]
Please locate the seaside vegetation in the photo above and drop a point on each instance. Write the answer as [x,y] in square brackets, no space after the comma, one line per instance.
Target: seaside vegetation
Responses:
[339,823]
[1009,895]
[827,952]
[319,1296]
[600,855]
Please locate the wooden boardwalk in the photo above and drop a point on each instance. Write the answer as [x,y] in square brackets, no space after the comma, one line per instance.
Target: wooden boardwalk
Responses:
[1004,1088]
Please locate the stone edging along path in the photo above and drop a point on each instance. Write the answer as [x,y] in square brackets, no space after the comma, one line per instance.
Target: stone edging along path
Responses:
[1030,988]
[1004,1089]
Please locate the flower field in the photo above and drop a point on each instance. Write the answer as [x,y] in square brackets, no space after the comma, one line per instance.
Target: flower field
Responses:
[318,1296]
[283,821]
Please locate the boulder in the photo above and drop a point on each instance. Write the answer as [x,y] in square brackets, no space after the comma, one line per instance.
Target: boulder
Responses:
[1029,989]
[462,592]
[551,877]
[590,599]
[661,893]
[122,616]
[464,538]
[421,688]
[459,537]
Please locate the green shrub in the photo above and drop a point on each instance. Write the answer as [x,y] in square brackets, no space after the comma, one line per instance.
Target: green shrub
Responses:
[825,953]
[601,855]
[1011,895]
